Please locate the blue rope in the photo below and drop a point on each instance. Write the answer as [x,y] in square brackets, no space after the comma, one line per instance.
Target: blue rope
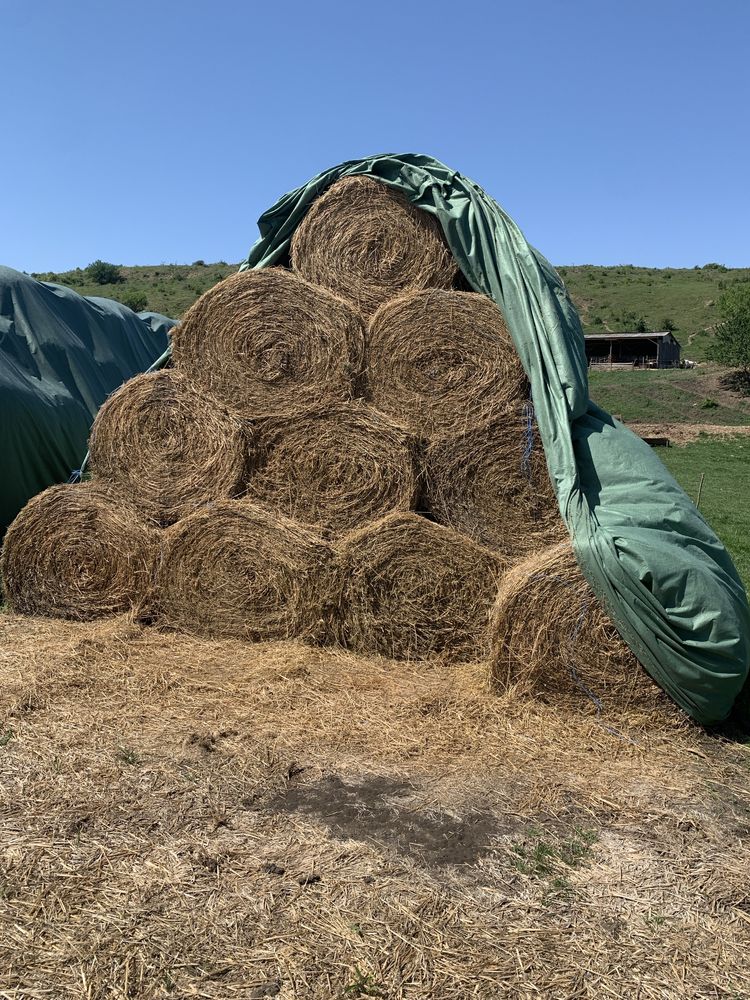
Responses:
[528,446]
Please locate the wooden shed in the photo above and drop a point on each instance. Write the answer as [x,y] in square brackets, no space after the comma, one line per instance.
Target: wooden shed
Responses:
[633,350]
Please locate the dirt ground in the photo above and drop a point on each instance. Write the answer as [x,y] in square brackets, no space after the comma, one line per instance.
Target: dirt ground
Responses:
[685,433]
[185,818]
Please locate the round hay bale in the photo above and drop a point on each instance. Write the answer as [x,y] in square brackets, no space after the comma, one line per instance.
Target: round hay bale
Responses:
[337,468]
[168,447]
[270,343]
[441,361]
[491,483]
[236,570]
[367,242]
[410,588]
[77,552]
[552,639]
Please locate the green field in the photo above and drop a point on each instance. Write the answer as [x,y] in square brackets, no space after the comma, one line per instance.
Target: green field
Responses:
[726,488]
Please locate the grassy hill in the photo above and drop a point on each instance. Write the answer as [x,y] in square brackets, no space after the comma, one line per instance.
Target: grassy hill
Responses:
[162,288]
[682,299]
[608,298]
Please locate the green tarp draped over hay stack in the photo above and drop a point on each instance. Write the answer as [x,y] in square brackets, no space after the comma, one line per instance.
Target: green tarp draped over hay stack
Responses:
[61,355]
[659,569]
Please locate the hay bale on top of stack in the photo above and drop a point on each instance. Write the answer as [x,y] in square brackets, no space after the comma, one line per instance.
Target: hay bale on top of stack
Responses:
[255,447]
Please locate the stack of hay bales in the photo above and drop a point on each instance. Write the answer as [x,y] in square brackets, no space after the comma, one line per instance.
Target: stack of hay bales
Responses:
[342,451]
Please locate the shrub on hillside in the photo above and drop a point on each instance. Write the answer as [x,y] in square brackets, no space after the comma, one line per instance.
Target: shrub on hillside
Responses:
[103,273]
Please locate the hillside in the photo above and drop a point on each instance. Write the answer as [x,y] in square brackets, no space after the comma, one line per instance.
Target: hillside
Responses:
[631,298]
[608,298]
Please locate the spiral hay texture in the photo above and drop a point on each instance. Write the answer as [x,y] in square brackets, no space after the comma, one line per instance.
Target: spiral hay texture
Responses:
[77,552]
[367,243]
[236,570]
[552,639]
[409,588]
[269,343]
[491,483]
[441,361]
[168,447]
[338,468]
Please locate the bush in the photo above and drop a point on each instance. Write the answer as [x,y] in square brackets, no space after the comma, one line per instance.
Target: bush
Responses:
[134,299]
[199,263]
[709,404]
[103,273]
[668,325]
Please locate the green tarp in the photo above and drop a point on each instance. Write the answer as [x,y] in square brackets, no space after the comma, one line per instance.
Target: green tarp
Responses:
[658,568]
[61,355]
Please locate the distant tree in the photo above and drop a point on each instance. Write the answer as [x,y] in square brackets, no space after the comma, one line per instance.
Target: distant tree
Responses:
[640,325]
[102,273]
[731,344]
[669,325]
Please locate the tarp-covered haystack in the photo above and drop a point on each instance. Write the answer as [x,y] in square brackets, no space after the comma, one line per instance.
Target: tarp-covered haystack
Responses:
[61,355]
[351,448]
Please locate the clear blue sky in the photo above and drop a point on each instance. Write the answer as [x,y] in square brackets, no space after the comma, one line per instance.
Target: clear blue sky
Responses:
[615,131]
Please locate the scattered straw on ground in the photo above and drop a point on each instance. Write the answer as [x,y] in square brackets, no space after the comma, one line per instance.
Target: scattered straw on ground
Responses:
[187,817]
[491,483]
[366,242]
[441,361]
[411,588]
[337,468]
[167,447]
[77,552]
[552,640]
[236,569]
[267,343]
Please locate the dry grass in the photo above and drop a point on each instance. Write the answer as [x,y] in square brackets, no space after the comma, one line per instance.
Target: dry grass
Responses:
[195,818]
[367,243]
[236,569]
[166,447]
[77,552]
[491,483]
[552,640]
[269,343]
[441,361]
[410,588]
[337,468]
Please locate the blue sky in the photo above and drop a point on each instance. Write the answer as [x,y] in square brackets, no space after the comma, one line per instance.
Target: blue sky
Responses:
[143,133]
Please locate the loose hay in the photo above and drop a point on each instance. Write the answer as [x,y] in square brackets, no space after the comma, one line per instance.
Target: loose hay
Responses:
[268,343]
[337,468]
[491,482]
[167,447]
[551,638]
[441,361]
[77,552]
[237,570]
[367,243]
[410,588]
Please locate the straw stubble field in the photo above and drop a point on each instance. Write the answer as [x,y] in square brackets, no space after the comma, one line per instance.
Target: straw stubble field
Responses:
[186,817]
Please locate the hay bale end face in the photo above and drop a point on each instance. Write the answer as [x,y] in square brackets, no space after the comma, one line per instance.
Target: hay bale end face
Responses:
[367,242]
[337,468]
[491,482]
[77,552]
[167,447]
[268,343]
[410,588]
[237,570]
[552,639]
[441,361]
